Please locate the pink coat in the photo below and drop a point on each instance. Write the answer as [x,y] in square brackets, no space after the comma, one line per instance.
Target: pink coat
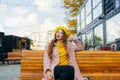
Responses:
[50,64]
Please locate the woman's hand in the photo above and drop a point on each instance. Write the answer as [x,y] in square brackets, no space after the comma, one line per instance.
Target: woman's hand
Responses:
[49,75]
[72,37]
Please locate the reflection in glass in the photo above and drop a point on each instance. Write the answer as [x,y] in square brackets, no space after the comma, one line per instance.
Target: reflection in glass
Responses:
[89,40]
[78,28]
[88,19]
[96,2]
[113,28]
[98,36]
[82,14]
[117,3]
[97,11]
[84,41]
[83,38]
[82,24]
[78,18]
[88,7]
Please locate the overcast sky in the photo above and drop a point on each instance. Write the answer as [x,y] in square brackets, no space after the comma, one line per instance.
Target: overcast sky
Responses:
[22,17]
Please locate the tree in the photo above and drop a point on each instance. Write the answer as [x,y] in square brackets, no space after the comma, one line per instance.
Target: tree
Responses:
[97,39]
[72,22]
[73,7]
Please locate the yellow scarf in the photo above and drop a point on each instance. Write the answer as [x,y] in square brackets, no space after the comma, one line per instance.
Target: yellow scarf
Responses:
[63,55]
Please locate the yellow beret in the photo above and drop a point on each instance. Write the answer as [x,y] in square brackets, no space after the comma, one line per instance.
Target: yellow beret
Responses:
[67,32]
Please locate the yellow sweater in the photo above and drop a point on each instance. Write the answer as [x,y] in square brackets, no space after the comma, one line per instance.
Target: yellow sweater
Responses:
[63,56]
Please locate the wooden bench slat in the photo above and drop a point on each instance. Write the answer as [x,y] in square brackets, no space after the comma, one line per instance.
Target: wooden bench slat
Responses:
[40,58]
[32,70]
[96,64]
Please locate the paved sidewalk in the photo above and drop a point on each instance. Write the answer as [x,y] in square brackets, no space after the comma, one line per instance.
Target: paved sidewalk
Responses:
[10,72]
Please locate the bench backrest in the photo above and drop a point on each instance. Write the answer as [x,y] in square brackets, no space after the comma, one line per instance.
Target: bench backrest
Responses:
[14,55]
[98,61]
[88,62]
[32,65]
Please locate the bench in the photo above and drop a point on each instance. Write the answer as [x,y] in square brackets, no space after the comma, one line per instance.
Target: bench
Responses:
[13,57]
[98,65]
[31,65]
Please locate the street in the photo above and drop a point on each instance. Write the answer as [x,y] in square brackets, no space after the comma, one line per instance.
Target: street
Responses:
[10,72]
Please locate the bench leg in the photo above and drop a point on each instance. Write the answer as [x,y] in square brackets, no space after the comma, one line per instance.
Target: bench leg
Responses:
[87,78]
[7,61]
[3,61]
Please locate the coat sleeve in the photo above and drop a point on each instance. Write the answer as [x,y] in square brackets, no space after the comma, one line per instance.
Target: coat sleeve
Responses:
[73,62]
[78,45]
[46,61]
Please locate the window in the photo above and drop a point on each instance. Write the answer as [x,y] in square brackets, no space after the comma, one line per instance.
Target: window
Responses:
[82,24]
[88,7]
[82,14]
[88,19]
[88,12]
[0,42]
[98,35]
[96,2]
[83,38]
[89,39]
[84,41]
[117,3]
[97,11]
[113,28]
[109,6]
[78,28]
[78,18]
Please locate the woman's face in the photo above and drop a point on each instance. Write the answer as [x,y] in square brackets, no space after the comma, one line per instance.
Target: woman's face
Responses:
[59,35]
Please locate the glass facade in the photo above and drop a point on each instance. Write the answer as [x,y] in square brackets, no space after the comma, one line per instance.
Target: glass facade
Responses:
[109,6]
[96,2]
[82,24]
[98,35]
[82,14]
[83,38]
[99,22]
[78,23]
[97,8]
[88,19]
[88,12]
[113,28]
[89,39]
[78,28]
[117,2]
[78,19]
[88,7]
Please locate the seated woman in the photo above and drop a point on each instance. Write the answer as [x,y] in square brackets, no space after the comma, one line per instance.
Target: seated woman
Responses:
[59,57]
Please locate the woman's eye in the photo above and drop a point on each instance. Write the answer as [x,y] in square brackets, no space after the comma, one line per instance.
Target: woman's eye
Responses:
[60,32]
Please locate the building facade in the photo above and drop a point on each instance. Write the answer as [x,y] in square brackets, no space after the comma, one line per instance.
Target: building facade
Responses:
[12,42]
[2,42]
[39,40]
[98,23]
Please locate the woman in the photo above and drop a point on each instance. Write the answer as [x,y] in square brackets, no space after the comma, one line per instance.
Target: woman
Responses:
[59,57]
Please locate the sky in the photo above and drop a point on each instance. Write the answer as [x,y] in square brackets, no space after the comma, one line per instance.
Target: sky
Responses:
[24,17]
